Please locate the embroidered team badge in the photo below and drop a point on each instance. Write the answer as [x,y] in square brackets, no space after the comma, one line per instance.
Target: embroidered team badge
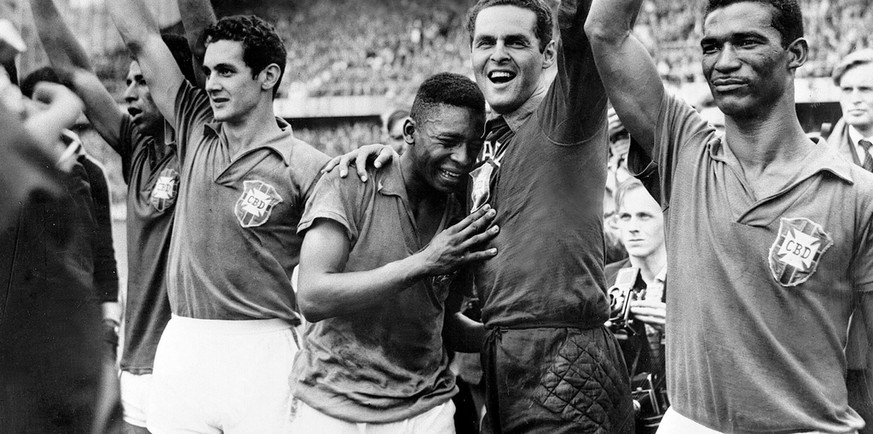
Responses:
[480,192]
[797,250]
[163,194]
[256,204]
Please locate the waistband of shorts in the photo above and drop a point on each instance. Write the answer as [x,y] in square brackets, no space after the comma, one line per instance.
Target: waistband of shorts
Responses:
[229,327]
[546,325]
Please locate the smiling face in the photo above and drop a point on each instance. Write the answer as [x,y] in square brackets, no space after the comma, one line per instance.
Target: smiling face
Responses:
[641,223]
[233,91]
[445,146]
[744,63]
[856,97]
[506,57]
[142,109]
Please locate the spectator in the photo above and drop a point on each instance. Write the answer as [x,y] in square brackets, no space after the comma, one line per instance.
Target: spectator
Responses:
[392,130]
[641,224]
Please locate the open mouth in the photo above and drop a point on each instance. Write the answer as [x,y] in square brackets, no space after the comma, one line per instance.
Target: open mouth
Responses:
[449,174]
[133,111]
[500,77]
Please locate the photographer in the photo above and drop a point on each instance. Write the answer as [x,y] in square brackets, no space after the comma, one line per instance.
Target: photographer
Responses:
[641,228]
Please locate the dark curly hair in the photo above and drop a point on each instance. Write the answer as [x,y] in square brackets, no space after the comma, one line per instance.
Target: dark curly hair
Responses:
[449,89]
[787,17]
[543,28]
[261,44]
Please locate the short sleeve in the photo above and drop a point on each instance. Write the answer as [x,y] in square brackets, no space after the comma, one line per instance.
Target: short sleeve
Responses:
[193,112]
[131,141]
[574,109]
[678,125]
[337,199]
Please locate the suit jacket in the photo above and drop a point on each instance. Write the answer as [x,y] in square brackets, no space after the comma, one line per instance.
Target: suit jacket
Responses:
[839,139]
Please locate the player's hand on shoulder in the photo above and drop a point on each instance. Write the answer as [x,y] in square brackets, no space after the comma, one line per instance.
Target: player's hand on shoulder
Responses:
[461,243]
[377,153]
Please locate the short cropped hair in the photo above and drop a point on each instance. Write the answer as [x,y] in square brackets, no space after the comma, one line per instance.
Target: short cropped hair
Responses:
[787,17]
[396,116]
[543,29]
[261,44]
[446,89]
[622,190]
[178,46]
[857,58]
[46,73]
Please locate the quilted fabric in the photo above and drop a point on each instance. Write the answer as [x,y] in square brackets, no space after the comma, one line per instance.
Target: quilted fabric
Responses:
[581,388]
[556,380]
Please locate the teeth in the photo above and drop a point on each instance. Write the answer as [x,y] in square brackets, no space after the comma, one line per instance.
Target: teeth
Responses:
[500,74]
[450,174]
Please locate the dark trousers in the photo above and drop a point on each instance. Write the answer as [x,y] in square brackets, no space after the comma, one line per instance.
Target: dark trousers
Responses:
[556,380]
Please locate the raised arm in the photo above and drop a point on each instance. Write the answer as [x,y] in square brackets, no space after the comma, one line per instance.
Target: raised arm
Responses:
[197,15]
[71,63]
[626,68]
[140,32]
[326,291]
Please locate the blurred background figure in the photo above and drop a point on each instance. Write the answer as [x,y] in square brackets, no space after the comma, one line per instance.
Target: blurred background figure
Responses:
[392,129]
[853,133]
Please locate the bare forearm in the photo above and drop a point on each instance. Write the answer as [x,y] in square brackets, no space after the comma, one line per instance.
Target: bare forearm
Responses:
[100,108]
[610,21]
[626,67]
[63,51]
[325,295]
[134,22]
[140,32]
[197,15]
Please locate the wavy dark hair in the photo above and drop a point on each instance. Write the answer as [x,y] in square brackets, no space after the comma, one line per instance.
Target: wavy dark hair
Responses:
[261,44]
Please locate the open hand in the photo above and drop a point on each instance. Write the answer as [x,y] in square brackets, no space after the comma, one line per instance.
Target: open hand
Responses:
[457,245]
[382,153]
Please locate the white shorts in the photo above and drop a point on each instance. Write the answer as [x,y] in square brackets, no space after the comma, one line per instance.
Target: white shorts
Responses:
[135,391]
[438,420]
[214,376]
[675,423]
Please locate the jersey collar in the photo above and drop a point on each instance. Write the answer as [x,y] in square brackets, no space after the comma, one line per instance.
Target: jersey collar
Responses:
[281,143]
[825,159]
[516,118]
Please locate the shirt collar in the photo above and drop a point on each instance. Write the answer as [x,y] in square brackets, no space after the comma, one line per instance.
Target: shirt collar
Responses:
[281,143]
[517,117]
[825,159]
[856,136]
[662,275]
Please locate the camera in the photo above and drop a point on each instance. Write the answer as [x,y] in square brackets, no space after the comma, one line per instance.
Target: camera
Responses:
[629,286]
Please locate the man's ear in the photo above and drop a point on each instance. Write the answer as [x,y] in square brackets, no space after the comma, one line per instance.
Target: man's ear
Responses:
[409,131]
[549,54]
[270,76]
[798,53]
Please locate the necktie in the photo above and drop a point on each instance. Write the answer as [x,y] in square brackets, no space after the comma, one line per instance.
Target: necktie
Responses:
[867,164]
